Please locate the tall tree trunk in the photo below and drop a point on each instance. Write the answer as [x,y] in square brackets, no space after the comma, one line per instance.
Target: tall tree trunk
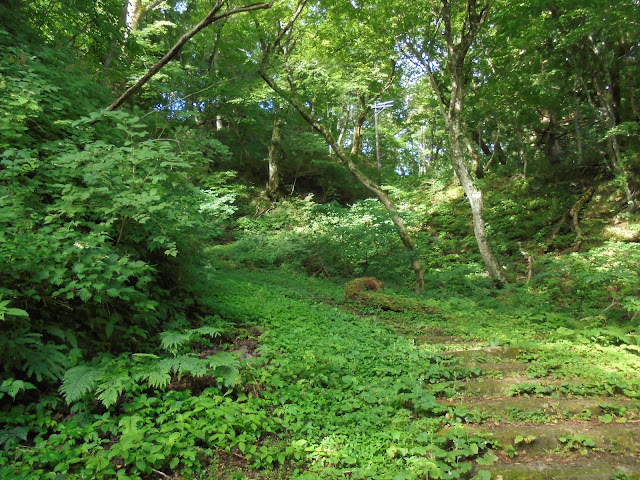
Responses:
[453,115]
[474,195]
[273,184]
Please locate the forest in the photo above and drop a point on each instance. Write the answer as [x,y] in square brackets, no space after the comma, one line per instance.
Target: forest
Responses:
[319,239]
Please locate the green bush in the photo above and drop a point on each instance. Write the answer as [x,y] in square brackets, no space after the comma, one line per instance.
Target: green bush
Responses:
[98,223]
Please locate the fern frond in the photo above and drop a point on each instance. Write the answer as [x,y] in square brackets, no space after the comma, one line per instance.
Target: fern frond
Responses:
[225,365]
[230,375]
[184,364]
[113,386]
[192,365]
[170,341]
[78,381]
[224,359]
[209,330]
[158,379]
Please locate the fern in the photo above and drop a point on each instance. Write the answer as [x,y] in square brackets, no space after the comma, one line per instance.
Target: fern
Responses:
[127,373]
[223,359]
[209,330]
[113,386]
[46,361]
[157,378]
[230,376]
[78,381]
[170,341]
[225,365]
[187,364]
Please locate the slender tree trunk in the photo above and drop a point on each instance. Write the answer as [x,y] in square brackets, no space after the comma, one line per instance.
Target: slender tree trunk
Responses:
[455,123]
[476,166]
[474,194]
[273,184]
[345,159]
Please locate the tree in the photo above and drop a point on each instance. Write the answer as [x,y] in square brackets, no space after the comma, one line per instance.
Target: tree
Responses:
[459,30]
[215,14]
[292,94]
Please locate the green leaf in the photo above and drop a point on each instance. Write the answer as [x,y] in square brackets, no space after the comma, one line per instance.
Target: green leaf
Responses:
[12,387]
[483,475]
[606,418]
[16,312]
[488,458]
[78,381]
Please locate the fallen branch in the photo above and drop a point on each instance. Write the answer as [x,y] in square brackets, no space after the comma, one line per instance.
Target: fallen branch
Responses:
[162,474]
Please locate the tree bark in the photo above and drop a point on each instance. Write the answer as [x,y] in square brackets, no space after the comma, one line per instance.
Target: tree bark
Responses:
[273,184]
[474,194]
[452,112]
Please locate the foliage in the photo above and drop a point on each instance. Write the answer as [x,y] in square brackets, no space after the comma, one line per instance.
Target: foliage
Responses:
[94,218]
[323,240]
[110,378]
[146,230]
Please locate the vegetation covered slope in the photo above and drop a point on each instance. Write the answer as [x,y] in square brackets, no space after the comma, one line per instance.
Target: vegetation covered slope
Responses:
[173,268]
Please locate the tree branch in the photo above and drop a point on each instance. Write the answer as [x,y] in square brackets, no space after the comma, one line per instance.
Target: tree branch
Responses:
[212,17]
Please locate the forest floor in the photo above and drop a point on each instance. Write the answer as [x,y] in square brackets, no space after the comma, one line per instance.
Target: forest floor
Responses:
[452,384]
[400,387]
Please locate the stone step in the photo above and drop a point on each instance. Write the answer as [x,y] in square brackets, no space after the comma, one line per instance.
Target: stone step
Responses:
[548,409]
[501,387]
[479,356]
[503,369]
[536,439]
[444,339]
[559,467]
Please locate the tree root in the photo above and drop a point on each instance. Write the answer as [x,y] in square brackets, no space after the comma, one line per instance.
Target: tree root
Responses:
[573,213]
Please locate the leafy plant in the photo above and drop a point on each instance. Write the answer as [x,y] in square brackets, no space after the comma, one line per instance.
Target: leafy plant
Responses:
[577,442]
[113,377]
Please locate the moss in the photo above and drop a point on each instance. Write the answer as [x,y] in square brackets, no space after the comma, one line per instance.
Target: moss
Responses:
[356,287]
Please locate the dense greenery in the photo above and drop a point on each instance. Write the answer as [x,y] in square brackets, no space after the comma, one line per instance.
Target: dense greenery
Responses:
[173,269]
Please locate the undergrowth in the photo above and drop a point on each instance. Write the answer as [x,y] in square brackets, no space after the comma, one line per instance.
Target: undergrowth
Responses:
[330,389]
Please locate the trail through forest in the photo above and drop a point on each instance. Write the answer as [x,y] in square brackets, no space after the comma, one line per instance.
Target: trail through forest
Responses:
[421,390]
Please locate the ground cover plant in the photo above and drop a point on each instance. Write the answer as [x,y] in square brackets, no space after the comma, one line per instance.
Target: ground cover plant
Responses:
[312,239]
[332,388]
